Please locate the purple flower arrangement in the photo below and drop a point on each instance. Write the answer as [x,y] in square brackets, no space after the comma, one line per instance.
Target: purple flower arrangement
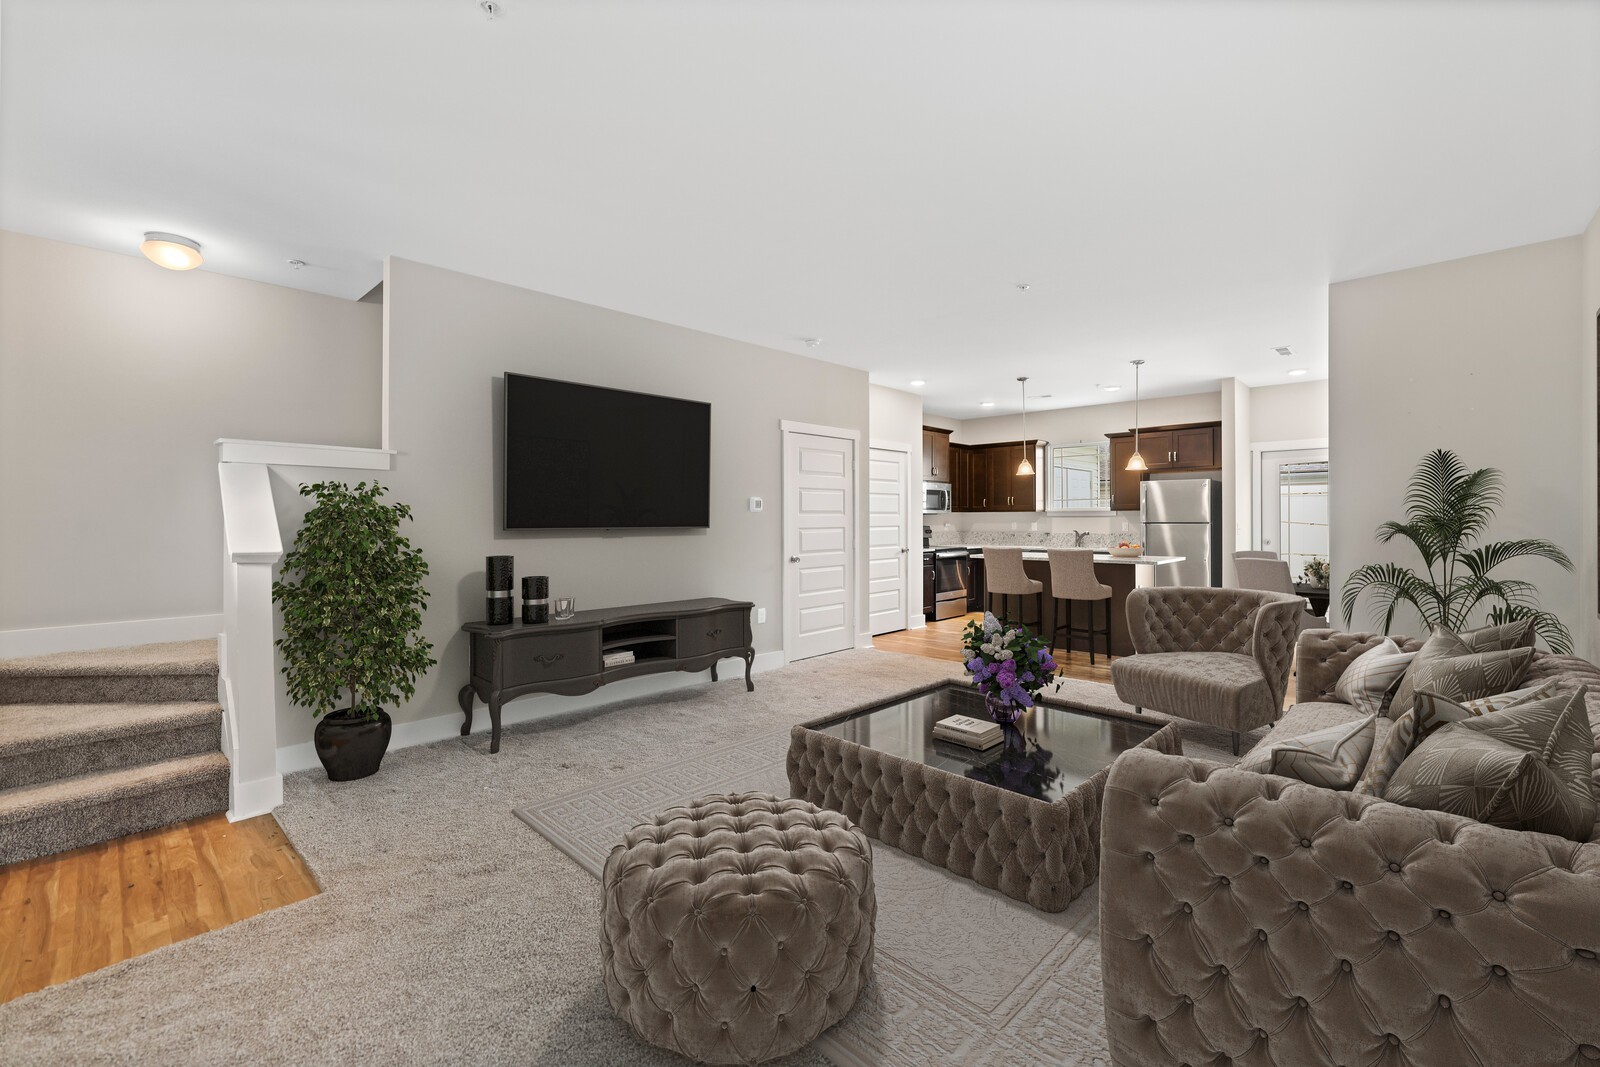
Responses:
[1009,665]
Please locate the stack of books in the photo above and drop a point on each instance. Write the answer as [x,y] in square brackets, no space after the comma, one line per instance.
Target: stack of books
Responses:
[967,731]
[619,659]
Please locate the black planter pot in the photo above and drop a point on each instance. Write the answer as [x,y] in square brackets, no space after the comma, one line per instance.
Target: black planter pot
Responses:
[352,746]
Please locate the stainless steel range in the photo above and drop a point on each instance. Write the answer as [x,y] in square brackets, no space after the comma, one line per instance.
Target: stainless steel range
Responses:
[952,574]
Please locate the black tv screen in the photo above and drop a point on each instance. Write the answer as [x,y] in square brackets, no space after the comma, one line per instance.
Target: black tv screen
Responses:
[582,457]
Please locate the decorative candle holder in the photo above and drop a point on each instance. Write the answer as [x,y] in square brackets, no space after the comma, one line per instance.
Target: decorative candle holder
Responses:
[535,598]
[497,593]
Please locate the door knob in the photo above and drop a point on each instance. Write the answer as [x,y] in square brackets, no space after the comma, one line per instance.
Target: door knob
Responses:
[903,551]
[794,559]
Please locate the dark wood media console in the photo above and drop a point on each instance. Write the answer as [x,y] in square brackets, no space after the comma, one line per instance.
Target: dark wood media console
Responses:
[565,657]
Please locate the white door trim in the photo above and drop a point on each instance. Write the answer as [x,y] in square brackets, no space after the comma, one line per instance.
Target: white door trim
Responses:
[914,605]
[1255,476]
[855,604]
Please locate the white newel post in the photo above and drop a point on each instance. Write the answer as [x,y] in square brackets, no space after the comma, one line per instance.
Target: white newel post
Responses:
[247,678]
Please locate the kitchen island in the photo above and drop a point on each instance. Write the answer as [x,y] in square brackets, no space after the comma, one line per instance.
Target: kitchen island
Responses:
[1122,574]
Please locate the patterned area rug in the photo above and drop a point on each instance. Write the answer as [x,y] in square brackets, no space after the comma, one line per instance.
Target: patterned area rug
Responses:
[964,975]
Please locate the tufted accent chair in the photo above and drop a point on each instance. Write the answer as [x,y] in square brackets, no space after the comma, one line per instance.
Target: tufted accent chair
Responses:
[737,928]
[1249,919]
[1217,656]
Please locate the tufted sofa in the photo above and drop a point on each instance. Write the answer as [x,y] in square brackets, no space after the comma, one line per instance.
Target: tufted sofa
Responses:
[1250,919]
[1217,656]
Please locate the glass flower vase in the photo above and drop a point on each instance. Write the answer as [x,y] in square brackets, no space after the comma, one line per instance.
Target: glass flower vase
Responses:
[1002,710]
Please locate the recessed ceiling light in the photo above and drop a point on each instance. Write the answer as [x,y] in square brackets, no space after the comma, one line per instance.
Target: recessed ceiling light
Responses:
[917,383]
[171,251]
[986,404]
[1111,388]
[1297,373]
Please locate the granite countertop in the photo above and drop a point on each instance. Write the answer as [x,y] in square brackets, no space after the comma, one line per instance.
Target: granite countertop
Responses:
[1030,552]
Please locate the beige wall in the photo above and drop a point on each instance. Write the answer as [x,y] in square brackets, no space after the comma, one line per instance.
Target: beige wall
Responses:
[451,338]
[115,378]
[1588,400]
[1295,411]
[1474,355]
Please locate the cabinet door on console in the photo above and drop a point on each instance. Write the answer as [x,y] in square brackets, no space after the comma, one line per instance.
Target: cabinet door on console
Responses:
[551,658]
[703,634]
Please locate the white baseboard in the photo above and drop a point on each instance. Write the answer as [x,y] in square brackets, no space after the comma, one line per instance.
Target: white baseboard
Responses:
[918,622]
[303,756]
[46,639]
[259,797]
[864,640]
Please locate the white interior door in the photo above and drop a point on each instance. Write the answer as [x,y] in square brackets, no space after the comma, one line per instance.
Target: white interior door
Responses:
[887,588]
[818,531]
[1293,509]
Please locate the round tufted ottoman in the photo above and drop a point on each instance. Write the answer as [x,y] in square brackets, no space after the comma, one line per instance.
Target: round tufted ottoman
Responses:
[738,928]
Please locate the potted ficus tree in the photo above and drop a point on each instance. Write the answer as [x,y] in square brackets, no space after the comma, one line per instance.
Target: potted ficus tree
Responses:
[351,594]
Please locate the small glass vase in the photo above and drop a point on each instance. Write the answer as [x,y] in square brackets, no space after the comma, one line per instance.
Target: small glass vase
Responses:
[1002,710]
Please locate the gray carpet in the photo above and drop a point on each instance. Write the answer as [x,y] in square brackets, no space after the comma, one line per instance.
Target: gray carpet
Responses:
[446,931]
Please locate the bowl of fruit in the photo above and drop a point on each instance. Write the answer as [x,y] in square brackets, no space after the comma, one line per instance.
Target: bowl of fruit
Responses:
[1126,549]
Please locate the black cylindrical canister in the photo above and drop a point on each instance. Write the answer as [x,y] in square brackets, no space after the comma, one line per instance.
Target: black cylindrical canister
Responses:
[535,598]
[497,590]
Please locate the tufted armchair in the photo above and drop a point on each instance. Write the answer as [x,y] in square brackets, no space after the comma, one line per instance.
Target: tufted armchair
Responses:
[1217,656]
[1249,919]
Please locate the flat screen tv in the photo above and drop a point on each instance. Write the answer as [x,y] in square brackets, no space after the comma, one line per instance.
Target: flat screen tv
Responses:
[579,457]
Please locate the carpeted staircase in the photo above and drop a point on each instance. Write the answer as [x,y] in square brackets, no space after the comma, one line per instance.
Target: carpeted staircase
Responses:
[98,744]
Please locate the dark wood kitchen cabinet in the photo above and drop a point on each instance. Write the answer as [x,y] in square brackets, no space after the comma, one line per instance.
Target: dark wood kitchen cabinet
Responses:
[935,454]
[1192,446]
[972,478]
[1007,490]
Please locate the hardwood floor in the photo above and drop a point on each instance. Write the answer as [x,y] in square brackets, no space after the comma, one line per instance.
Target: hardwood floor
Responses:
[942,640]
[68,914]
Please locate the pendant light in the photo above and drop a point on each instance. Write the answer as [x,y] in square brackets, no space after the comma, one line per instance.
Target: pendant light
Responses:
[1024,468]
[1136,461]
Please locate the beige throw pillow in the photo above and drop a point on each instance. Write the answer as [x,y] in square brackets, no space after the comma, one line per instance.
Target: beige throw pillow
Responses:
[1332,758]
[1371,676]
[1459,667]
[1431,712]
[1524,768]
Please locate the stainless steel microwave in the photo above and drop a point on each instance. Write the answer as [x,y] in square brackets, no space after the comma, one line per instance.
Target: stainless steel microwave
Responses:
[935,496]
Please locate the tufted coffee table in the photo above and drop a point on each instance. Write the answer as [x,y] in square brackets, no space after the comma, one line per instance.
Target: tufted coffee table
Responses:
[1023,818]
[738,928]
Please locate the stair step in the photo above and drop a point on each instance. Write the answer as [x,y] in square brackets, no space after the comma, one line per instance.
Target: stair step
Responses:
[37,820]
[42,742]
[170,671]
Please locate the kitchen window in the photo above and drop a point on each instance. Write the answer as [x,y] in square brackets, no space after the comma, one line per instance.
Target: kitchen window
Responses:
[1080,477]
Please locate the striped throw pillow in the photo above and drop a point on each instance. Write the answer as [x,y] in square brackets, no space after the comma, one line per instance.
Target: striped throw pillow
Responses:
[1332,758]
[1430,712]
[1371,677]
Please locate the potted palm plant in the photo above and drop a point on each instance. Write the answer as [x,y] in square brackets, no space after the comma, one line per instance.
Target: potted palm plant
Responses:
[1448,510]
[352,597]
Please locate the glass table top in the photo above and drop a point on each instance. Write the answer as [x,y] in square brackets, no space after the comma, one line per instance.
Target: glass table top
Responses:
[1051,751]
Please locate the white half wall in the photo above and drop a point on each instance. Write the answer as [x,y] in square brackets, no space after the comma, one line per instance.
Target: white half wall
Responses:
[115,378]
[450,339]
[1475,355]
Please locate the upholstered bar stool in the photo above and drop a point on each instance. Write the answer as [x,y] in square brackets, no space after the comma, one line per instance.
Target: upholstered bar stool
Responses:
[1072,579]
[1005,575]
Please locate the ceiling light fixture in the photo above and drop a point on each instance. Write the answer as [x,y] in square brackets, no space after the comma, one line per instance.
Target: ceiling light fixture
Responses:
[1297,372]
[917,383]
[171,251]
[1024,468]
[1136,461]
[1112,388]
[986,403]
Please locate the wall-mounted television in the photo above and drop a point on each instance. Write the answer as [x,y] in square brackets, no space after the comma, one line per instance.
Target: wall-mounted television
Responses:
[579,457]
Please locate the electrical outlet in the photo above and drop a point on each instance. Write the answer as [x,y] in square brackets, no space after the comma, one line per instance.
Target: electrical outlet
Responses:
[761,615]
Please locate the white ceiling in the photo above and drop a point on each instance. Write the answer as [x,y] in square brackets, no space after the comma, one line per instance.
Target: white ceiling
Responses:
[1174,181]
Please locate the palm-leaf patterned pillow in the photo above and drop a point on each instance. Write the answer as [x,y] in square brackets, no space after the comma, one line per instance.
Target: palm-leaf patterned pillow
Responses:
[1431,712]
[1525,768]
[1447,665]
[1372,675]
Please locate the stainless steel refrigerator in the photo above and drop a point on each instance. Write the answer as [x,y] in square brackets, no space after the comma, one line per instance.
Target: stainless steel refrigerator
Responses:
[1183,517]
